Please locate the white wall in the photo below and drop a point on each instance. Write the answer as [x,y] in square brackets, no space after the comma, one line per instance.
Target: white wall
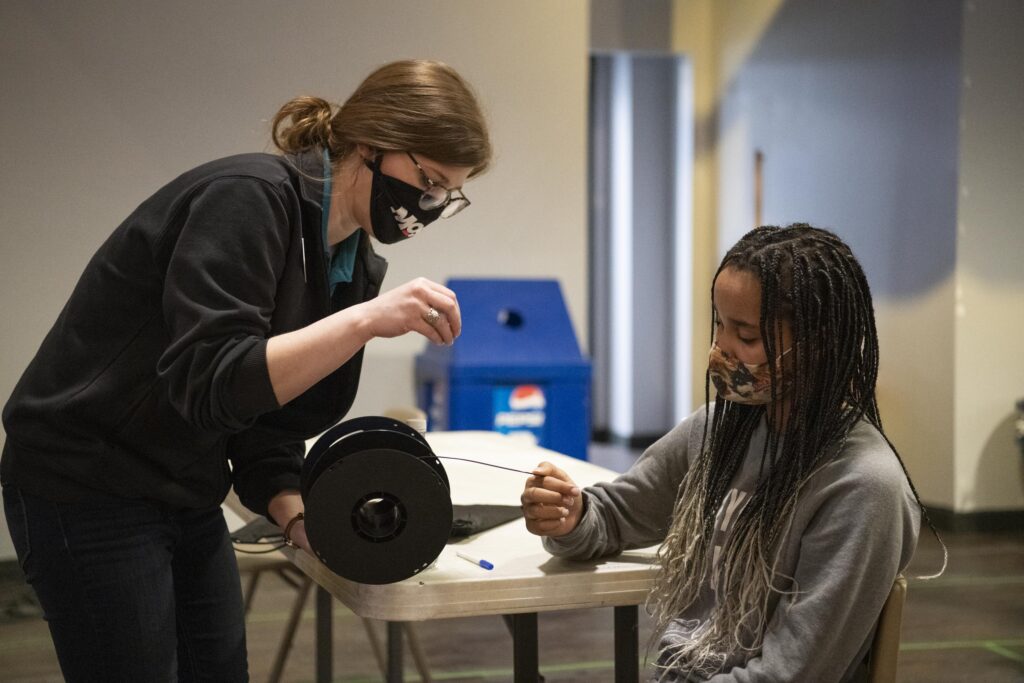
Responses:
[990,258]
[106,100]
[695,33]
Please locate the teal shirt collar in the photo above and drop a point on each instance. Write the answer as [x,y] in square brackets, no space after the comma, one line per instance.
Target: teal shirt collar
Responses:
[342,263]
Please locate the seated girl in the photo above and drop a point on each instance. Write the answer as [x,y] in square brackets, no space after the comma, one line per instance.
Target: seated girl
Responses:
[783,511]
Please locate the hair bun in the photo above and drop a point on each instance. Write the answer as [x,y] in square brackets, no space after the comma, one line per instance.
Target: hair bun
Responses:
[303,123]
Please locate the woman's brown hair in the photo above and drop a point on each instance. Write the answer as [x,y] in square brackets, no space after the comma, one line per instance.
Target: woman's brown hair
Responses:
[412,105]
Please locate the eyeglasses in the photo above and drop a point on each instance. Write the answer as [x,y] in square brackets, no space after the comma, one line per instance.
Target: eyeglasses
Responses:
[437,196]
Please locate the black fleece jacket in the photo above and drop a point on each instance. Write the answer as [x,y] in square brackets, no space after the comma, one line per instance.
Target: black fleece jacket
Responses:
[153,381]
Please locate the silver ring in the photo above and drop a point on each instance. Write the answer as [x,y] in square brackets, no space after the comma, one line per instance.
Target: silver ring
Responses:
[431,316]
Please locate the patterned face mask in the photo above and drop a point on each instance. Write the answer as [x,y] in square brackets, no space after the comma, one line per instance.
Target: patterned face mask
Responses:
[396,211]
[742,382]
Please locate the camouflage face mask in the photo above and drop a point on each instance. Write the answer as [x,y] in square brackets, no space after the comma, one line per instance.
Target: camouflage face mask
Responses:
[742,382]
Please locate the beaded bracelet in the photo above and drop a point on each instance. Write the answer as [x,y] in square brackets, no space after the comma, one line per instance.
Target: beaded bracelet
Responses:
[288,529]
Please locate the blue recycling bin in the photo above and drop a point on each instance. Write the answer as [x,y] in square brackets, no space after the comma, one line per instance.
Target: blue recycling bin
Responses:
[516,367]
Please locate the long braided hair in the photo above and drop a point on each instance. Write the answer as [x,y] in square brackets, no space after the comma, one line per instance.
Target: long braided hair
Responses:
[810,280]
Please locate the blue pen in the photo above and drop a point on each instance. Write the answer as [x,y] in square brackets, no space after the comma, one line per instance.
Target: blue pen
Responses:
[477,561]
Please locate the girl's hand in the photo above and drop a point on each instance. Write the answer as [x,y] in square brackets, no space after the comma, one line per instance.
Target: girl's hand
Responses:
[552,503]
[406,309]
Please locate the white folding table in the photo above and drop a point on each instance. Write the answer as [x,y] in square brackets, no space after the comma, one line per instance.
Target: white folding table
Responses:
[525,579]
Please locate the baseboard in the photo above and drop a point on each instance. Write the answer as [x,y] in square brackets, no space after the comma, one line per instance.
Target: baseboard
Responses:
[636,441]
[984,520]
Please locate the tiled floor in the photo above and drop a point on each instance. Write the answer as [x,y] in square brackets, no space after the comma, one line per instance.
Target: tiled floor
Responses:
[965,626]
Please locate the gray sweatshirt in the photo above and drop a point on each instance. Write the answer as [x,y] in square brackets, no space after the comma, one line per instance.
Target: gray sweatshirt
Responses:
[855,529]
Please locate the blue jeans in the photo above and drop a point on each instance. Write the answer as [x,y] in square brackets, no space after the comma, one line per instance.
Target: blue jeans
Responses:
[132,590]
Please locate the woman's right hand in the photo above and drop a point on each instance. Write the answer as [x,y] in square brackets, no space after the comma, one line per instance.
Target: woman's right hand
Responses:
[552,503]
[405,308]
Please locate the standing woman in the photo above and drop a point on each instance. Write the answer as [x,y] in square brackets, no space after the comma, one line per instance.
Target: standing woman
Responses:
[218,327]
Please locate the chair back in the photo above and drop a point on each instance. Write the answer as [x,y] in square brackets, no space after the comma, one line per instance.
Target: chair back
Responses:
[885,648]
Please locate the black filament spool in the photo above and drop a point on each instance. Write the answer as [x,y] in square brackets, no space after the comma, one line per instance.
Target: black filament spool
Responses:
[377,503]
[359,434]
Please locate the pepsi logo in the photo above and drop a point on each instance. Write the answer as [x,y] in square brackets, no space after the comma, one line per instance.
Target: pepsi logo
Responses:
[527,397]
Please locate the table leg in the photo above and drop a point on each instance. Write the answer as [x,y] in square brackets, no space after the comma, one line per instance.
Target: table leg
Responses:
[395,672]
[524,648]
[627,645]
[324,642]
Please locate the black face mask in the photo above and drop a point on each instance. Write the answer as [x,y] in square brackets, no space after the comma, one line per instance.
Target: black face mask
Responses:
[395,212]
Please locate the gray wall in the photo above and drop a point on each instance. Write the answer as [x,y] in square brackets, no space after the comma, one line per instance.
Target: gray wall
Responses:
[635,396]
[654,174]
[855,108]
[637,25]
[633,175]
[104,101]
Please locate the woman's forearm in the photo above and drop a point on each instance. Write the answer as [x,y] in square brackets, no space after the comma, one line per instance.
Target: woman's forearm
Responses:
[297,360]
